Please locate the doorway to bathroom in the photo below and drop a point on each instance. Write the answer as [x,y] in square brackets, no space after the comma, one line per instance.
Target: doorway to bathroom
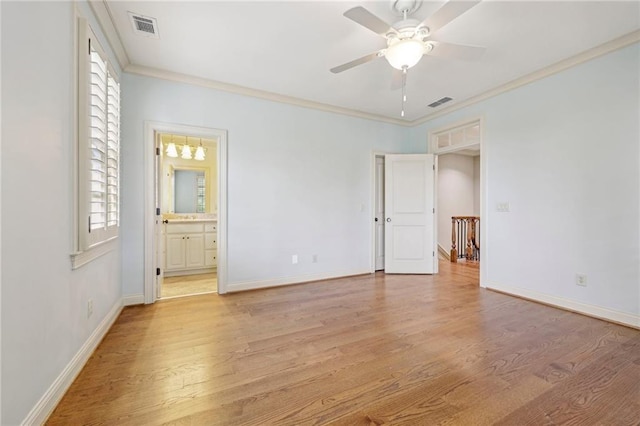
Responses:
[188,193]
[185,241]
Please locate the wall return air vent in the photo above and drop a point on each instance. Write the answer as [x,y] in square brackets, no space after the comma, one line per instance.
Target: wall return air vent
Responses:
[145,26]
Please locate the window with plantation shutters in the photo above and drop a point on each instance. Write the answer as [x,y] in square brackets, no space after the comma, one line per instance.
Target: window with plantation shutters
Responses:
[98,153]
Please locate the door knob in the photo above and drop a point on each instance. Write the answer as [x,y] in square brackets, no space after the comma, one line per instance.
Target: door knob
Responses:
[376,219]
[388,219]
[165,221]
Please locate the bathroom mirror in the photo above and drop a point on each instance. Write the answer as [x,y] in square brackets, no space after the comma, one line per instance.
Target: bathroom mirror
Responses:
[189,191]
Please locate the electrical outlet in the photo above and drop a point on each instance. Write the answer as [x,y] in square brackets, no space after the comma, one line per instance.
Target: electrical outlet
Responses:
[89,308]
[581,280]
[294,259]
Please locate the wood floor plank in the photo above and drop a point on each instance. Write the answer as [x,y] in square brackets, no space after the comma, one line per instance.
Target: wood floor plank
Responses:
[371,349]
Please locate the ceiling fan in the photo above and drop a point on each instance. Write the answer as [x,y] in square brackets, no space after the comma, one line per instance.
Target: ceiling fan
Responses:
[409,39]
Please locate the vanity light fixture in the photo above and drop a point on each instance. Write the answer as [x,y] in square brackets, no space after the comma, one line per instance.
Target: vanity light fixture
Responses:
[185,153]
[171,149]
[199,152]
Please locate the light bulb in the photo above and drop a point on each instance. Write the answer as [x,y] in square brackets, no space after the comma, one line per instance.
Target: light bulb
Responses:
[199,153]
[404,53]
[171,150]
[186,152]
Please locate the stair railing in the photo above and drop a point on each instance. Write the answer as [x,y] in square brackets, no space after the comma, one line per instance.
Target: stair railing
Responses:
[465,232]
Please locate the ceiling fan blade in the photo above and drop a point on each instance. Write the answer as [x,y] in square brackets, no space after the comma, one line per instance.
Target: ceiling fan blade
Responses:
[355,62]
[455,51]
[368,20]
[447,13]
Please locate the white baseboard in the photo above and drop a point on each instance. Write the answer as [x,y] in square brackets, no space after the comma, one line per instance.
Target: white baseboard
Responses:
[444,253]
[277,282]
[133,299]
[571,305]
[45,406]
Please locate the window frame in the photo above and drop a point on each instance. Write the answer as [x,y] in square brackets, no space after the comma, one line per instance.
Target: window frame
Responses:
[90,244]
[451,129]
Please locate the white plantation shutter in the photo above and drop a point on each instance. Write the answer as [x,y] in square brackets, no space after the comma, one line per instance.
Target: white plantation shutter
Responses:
[113,152]
[98,142]
[99,145]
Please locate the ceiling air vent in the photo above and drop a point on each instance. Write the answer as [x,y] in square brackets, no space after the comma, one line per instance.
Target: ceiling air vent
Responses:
[440,102]
[144,25]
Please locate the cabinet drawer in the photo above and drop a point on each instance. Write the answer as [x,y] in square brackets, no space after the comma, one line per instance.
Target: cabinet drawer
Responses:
[210,258]
[210,241]
[210,227]
[182,228]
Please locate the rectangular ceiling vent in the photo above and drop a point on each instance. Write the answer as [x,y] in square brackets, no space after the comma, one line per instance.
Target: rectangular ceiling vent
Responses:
[440,102]
[144,25]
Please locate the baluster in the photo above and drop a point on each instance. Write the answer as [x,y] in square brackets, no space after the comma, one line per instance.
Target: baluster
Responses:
[454,250]
[469,251]
[474,244]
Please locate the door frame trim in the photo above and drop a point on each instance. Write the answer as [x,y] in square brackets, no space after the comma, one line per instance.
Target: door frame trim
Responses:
[151,245]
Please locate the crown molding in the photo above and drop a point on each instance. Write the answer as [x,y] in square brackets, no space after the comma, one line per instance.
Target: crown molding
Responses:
[261,94]
[103,15]
[587,55]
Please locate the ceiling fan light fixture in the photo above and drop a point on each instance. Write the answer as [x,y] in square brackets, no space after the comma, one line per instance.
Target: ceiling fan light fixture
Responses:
[404,53]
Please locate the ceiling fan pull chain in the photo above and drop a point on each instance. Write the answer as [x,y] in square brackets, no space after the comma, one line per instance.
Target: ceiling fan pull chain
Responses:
[404,88]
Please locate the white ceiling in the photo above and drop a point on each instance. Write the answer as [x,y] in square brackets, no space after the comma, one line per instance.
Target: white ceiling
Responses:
[288,47]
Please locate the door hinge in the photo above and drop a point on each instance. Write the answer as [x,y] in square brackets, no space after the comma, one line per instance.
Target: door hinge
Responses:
[157,211]
[157,271]
[434,254]
[433,166]
[89,46]
[157,150]
[434,209]
[89,223]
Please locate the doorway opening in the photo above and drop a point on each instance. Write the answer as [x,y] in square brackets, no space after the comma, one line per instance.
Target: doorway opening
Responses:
[186,211]
[188,191]
[461,175]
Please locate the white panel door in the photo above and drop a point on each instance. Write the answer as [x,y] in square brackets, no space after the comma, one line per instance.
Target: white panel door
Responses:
[409,214]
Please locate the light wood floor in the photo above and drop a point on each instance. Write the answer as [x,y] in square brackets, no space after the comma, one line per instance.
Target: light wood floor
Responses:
[187,285]
[368,350]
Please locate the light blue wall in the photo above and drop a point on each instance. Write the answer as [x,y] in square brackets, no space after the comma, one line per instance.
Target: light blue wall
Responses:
[299,180]
[565,153]
[44,302]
